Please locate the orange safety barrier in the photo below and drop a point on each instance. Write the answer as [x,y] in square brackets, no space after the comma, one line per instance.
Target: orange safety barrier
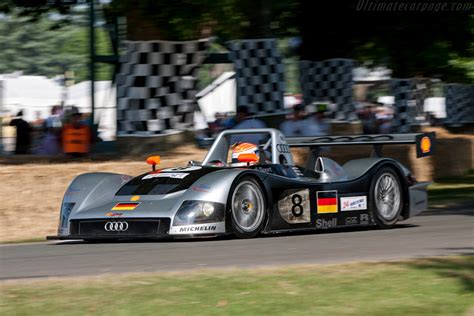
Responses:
[76,140]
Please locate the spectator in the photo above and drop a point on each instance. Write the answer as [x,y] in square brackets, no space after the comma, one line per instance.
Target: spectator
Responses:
[217,126]
[383,117]
[368,119]
[37,133]
[317,124]
[23,134]
[295,126]
[52,125]
[228,121]
[245,120]
[76,137]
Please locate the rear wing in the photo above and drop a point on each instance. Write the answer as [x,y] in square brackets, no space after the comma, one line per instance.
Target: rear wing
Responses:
[425,142]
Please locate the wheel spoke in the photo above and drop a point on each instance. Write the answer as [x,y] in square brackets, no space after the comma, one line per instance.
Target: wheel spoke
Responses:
[247,206]
[387,196]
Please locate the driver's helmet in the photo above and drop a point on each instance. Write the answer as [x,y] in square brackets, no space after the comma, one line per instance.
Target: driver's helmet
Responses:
[243,148]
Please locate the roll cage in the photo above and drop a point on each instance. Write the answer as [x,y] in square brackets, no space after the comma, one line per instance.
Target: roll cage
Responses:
[273,142]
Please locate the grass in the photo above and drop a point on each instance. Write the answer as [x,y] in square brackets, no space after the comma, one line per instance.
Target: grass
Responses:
[452,190]
[437,286]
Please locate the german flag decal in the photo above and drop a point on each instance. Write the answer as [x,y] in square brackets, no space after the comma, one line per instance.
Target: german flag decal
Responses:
[327,202]
[130,206]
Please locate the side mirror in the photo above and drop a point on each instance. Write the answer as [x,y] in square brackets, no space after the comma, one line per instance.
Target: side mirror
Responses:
[248,158]
[153,161]
[194,163]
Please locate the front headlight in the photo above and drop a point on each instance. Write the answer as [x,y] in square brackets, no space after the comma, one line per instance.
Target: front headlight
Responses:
[207,209]
[199,212]
[66,209]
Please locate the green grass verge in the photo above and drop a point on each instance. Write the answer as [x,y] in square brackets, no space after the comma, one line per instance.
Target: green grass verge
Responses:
[452,190]
[436,286]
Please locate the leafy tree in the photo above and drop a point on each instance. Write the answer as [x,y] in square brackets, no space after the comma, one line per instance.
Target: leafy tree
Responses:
[413,43]
[37,48]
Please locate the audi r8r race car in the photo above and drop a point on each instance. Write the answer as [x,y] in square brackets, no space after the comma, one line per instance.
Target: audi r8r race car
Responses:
[247,189]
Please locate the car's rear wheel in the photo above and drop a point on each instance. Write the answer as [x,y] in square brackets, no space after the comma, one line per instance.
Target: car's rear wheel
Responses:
[247,208]
[386,197]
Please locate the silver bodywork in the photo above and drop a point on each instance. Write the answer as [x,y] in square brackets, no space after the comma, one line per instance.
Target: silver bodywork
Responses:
[93,196]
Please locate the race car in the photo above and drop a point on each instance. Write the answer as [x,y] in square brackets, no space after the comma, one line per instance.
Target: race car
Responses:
[248,189]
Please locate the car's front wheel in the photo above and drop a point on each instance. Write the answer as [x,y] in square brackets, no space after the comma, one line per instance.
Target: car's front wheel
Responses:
[247,208]
[386,198]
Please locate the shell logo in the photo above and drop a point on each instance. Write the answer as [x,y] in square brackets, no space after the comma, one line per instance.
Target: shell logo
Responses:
[135,198]
[425,145]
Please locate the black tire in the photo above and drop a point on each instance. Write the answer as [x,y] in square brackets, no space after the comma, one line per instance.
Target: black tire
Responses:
[386,197]
[246,202]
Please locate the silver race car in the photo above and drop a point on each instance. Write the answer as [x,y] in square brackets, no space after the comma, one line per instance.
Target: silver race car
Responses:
[246,189]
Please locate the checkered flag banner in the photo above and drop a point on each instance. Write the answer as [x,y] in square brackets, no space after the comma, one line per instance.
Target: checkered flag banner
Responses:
[410,95]
[459,103]
[329,81]
[405,111]
[259,75]
[156,86]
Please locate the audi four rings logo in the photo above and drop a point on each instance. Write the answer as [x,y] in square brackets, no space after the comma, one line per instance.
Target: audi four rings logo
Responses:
[283,148]
[116,226]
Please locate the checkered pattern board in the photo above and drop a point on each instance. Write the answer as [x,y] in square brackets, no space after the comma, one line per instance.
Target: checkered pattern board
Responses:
[329,81]
[156,86]
[410,95]
[259,74]
[404,92]
[459,103]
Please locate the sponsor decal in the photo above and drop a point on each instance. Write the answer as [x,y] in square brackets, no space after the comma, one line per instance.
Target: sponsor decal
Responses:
[294,206]
[353,203]
[135,198]
[351,220]
[201,188]
[198,229]
[125,178]
[364,219]
[125,206]
[325,224]
[174,175]
[283,148]
[326,202]
[425,145]
[112,214]
[116,226]
[189,168]
[264,169]
[297,171]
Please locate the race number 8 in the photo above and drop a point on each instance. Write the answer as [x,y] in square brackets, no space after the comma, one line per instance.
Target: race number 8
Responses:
[297,208]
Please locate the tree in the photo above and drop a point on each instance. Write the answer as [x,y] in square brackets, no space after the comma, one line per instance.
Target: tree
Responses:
[411,43]
[37,48]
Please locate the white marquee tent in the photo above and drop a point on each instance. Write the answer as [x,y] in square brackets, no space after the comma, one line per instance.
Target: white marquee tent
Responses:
[37,94]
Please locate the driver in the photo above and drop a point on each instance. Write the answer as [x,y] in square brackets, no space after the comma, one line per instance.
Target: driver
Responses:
[243,148]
